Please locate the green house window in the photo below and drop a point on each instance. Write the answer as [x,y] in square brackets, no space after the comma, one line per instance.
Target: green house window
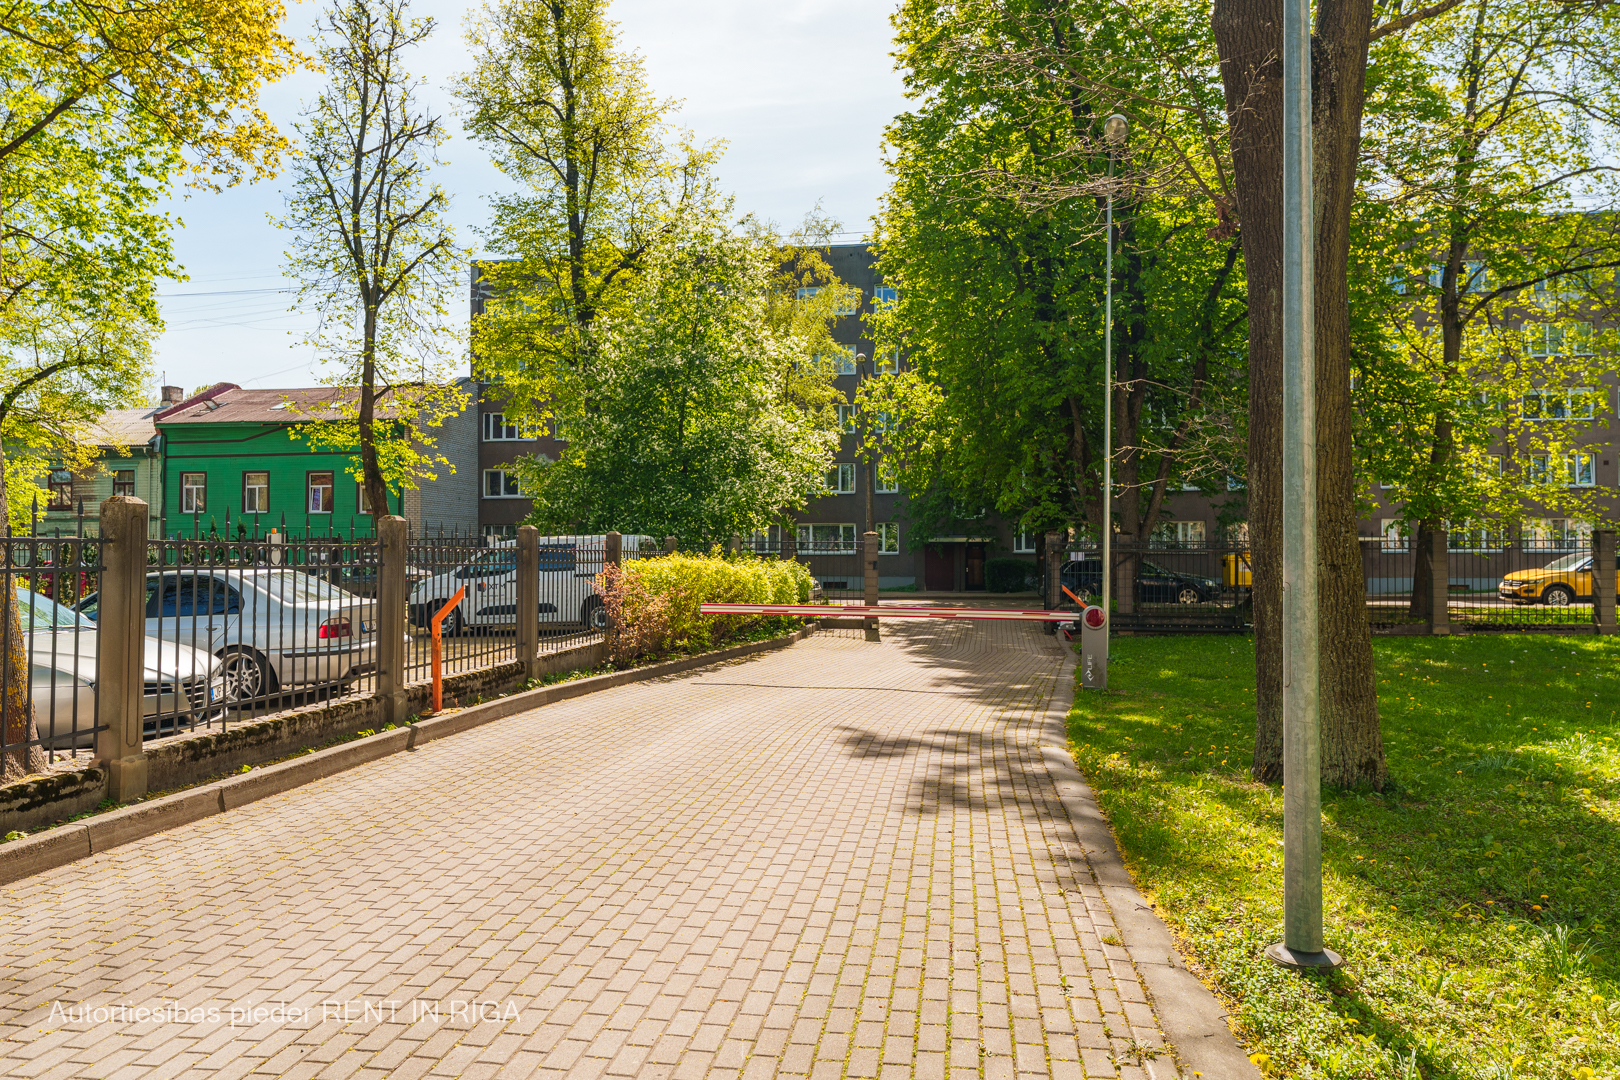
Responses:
[193,492]
[256,493]
[320,493]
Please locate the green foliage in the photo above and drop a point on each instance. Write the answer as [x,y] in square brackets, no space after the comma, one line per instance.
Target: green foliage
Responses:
[653,603]
[1473,901]
[707,409]
[993,234]
[1009,575]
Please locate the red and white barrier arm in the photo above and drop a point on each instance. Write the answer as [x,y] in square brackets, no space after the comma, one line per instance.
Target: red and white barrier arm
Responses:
[854,611]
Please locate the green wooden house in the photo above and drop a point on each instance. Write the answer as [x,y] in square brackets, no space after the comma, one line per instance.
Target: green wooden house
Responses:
[231,463]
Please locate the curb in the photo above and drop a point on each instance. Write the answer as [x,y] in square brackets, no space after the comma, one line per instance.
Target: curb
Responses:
[1192,1018]
[80,839]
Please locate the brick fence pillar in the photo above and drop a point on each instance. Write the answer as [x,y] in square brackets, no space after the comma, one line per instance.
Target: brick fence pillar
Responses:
[1603,581]
[670,543]
[1440,584]
[121,646]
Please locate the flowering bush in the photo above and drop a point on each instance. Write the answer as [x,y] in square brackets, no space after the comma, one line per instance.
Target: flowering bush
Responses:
[652,604]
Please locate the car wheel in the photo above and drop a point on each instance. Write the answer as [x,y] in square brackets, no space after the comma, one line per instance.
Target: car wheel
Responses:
[593,614]
[1188,595]
[1558,596]
[247,675]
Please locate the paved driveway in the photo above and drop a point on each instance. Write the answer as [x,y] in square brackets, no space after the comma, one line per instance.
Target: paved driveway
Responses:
[839,859]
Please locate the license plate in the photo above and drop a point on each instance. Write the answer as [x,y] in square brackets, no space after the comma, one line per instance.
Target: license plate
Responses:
[213,694]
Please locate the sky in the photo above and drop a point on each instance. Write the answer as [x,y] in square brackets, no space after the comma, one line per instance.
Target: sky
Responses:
[800,90]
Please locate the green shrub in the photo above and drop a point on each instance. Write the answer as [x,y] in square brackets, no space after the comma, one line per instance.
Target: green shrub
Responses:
[652,604]
[1009,575]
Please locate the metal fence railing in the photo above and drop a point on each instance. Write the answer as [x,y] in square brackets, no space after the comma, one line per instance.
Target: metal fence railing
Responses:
[1187,587]
[238,629]
[1518,586]
[47,652]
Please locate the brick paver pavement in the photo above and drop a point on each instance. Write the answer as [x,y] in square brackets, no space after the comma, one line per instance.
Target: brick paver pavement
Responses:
[839,859]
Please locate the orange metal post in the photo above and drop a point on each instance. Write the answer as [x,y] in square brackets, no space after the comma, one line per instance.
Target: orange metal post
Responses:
[438,667]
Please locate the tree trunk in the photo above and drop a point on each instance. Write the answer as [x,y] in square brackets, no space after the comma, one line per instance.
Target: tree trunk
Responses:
[370,469]
[16,704]
[1248,36]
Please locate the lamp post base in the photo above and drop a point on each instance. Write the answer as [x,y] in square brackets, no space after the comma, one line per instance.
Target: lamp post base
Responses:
[1283,956]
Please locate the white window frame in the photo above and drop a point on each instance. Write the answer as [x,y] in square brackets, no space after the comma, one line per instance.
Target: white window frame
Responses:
[1480,536]
[506,485]
[840,479]
[1554,534]
[262,503]
[846,418]
[311,487]
[883,296]
[1023,542]
[496,429]
[888,360]
[1563,399]
[1580,468]
[844,362]
[888,537]
[500,532]
[1185,533]
[827,538]
[1394,531]
[193,493]
[886,482]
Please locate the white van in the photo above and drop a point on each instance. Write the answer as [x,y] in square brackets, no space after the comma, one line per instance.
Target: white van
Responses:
[568,569]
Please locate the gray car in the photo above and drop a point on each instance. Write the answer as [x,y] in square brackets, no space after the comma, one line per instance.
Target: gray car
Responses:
[272,629]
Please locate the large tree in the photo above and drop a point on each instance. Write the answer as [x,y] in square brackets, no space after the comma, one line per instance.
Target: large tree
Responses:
[1487,241]
[711,390]
[993,233]
[565,111]
[373,250]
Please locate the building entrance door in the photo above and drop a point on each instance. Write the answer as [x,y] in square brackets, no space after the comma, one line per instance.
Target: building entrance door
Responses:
[973,569]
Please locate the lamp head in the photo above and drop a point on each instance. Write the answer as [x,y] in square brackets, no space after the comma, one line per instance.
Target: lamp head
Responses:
[1115,130]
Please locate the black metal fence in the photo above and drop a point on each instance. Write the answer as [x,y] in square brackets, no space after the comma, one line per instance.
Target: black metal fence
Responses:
[47,651]
[1489,586]
[1192,588]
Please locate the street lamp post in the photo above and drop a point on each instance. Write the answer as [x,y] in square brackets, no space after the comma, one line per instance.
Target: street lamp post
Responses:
[1115,131]
[1301,946]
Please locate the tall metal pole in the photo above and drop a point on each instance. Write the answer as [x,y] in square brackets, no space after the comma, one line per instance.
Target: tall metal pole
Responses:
[1115,131]
[1302,771]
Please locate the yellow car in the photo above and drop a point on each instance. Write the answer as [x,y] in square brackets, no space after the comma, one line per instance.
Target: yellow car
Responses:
[1557,584]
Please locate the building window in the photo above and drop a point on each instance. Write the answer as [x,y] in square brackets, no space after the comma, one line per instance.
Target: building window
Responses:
[1558,339]
[846,419]
[1394,530]
[888,537]
[320,493]
[845,359]
[500,532]
[360,499]
[559,429]
[886,482]
[841,479]
[1024,542]
[498,429]
[1575,403]
[808,292]
[124,482]
[883,296]
[1177,534]
[501,484]
[762,541]
[824,539]
[888,360]
[1579,469]
[193,492]
[255,493]
[1536,472]
[1554,534]
[1474,536]
[60,484]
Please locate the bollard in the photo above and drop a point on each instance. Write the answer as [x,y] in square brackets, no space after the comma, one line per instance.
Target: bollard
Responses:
[393,540]
[120,647]
[870,583]
[528,600]
[1094,648]
[435,628]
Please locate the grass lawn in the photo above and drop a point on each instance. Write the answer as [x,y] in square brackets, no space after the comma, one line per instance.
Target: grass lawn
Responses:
[1474,901]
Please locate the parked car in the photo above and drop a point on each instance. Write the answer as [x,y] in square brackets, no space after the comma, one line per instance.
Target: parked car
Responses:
[567,586]
[1154,584]
[272,629]
[182,684]
[1558,584]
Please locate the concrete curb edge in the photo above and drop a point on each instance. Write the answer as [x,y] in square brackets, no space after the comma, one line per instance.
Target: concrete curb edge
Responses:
[80,839]
[1191,1016]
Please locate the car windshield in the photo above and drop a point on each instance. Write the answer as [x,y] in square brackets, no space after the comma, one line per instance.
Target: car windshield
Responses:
[41,612]
[300,588]
[1569,562]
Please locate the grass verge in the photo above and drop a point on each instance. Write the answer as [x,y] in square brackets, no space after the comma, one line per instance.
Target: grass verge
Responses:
[1474,901]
